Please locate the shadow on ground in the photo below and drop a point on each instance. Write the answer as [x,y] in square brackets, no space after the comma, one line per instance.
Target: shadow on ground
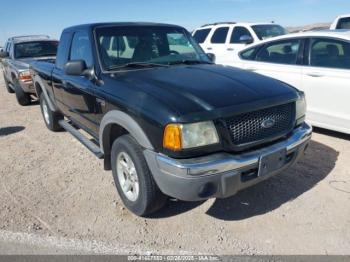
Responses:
[331,133]
[5,131]
[315,166]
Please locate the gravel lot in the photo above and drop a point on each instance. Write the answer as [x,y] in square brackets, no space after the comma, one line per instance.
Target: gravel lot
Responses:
[56,198]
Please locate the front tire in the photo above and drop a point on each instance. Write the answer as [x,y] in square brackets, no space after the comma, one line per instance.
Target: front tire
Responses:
[7,85]
[51,118]
[22,97]
[133,179]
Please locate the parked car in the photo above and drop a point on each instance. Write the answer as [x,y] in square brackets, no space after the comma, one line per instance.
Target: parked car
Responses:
[222,39]
[341,22]
[19,52]
[164,118]
[317,63]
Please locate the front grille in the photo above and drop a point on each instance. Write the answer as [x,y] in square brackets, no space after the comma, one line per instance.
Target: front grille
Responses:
[247,128]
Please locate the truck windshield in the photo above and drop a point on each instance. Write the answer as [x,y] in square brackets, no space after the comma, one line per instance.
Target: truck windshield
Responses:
[268,31]
[122,46]
[36,49]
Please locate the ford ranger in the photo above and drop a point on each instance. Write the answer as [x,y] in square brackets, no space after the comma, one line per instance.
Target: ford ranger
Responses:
[16,57]
[166,120]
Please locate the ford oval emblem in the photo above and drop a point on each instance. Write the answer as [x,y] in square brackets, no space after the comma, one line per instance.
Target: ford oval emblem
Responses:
[268,123]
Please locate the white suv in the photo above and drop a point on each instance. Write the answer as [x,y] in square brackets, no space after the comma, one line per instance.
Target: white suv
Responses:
[341,22]
[222,39]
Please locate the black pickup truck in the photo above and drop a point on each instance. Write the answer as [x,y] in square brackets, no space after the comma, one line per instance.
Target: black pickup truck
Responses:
[164,117]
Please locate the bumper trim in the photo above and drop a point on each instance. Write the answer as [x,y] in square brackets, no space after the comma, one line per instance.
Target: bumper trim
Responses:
[222,162]
[223,174]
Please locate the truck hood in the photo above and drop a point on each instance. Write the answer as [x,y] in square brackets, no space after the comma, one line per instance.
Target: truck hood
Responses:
[24,63]
[194,89]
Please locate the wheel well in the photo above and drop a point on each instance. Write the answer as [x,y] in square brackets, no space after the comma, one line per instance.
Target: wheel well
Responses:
[110,133]
[13,77]
[38,89]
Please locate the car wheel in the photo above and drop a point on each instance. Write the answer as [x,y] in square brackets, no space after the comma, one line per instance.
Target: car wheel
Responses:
[23,98]
[7,85]
[51,118]
[133,179]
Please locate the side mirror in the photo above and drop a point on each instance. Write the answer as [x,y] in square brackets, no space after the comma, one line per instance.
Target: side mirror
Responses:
[212,57]
[75,67]
[4,54]
[246,39]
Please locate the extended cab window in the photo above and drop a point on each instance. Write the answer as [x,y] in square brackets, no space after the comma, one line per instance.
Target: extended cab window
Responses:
[330,53]
[220,35]
[62,52]
[81,48]
[344,23]
[201,34]
[120,46]
[237,33]
[282,52]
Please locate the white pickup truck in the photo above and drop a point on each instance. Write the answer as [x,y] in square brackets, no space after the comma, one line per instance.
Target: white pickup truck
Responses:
[341,22]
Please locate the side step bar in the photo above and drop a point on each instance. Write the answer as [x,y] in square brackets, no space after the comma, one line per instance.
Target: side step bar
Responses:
[83,139]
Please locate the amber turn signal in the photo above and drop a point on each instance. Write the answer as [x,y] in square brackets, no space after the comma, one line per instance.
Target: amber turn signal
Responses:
[172,137]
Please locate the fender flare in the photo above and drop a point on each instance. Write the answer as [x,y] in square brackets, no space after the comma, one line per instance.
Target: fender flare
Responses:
[128,123]
[38,80]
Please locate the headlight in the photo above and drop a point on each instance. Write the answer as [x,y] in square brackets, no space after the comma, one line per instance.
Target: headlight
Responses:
[300,108]
[25,76]
[184,136]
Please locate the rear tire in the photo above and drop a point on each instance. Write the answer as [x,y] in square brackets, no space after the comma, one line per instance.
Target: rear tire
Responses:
[23,98]
[148,197]
[7,85]
[51,118]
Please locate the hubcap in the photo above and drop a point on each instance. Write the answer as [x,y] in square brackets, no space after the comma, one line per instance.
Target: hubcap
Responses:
[127,176]
[46,113]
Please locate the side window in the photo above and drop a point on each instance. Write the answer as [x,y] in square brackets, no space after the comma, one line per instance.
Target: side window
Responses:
[179,43]
[201,34]
[344,23]
[237,33]
[220,35]
[330,53]
[282,52]
[249,54]
[81,48]
[62,54]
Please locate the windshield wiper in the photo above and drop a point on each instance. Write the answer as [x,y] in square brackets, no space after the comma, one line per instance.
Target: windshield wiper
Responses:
[136,65]
[189,62]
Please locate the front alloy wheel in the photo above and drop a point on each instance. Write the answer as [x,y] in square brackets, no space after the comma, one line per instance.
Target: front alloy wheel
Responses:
[133,179]
[127,176]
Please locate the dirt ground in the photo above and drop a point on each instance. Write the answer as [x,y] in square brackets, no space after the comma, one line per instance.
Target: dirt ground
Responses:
[54,196]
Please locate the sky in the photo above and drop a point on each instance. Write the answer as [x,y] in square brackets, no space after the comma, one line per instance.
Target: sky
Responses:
[21,17]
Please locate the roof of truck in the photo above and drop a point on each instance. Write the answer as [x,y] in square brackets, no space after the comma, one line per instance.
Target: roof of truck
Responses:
[29,38]
[93,25]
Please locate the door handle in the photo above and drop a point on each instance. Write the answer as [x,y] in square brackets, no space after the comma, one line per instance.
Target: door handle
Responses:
[315,74]
[209,48]
[230,49]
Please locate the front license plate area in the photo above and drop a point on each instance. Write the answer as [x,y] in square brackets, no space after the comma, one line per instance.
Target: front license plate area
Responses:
[272,162]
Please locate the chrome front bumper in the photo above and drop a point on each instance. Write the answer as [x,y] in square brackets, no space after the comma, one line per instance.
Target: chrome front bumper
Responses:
[222,174]
[27,86]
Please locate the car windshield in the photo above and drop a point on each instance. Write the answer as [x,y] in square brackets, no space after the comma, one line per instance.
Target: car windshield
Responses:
[268,31]
[36,49]
[128,46]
